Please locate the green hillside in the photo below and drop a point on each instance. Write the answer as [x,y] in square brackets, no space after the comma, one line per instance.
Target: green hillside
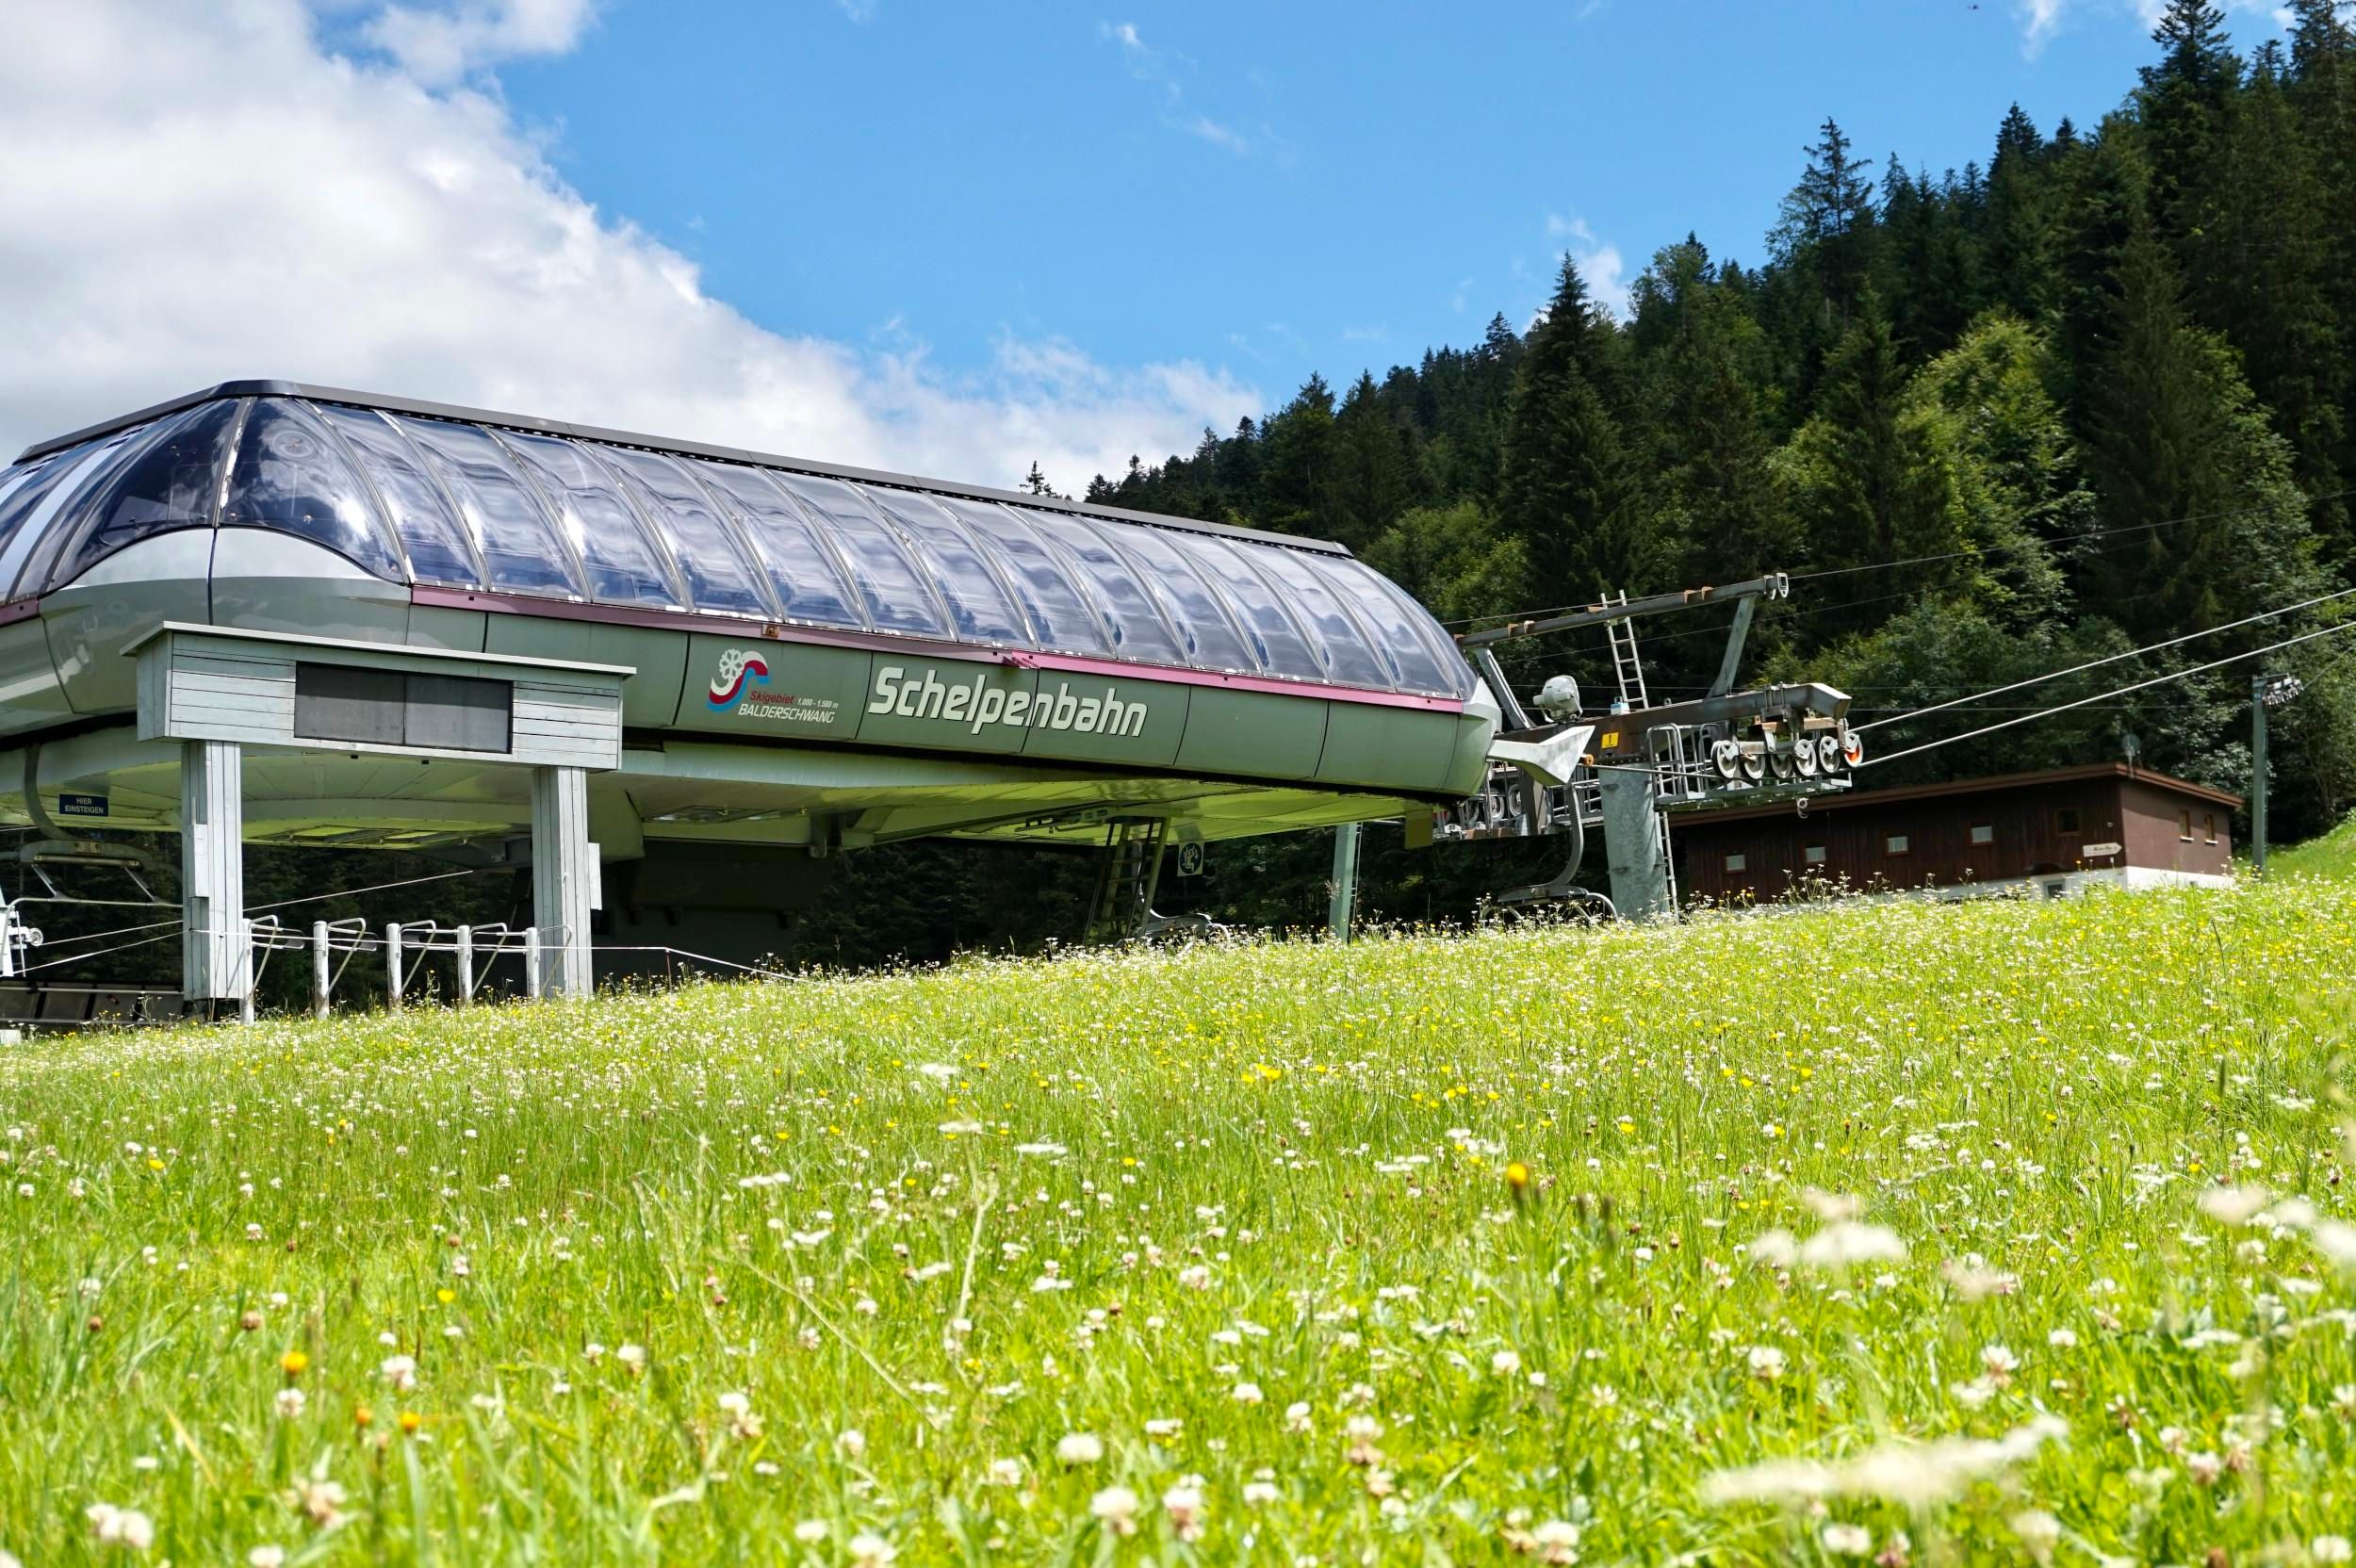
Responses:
[2331,853]
[2016,1230]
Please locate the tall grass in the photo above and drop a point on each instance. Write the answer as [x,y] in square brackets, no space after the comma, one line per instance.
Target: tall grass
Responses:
[2022,1224]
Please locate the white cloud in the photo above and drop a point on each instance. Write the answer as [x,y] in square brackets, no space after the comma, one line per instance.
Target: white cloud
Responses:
[2041,20]
[439,44]
[1217,134]
[354,227]
[1599,263]
[1158,68]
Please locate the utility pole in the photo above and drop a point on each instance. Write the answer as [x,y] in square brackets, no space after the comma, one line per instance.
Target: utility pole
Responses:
[1345,891]
[2266,690]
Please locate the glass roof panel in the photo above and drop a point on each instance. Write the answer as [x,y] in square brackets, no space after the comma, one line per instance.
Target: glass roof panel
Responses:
[28,487]
[1355,659]
[521,552]
[1282,646]
[808,575]
[1390,615]
[1213,642]
[899,594]
[719,572]
[1062,620]
[290,476]
[1132,614]
[623,566]
[979,602]
[436,542]
[164,481]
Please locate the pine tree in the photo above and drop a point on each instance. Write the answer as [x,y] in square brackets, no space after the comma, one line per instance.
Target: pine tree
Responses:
[1564,484]
[2269,292]
[2201,521]
[1827,222]
[1373,475]
[2183,103]
[2020,217]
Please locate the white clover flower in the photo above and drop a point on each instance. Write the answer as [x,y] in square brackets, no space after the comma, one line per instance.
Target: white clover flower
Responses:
[2038,1530]
[1556,1540]
[400,1371]
[1766,1363]
[1846,1243]
[1116,1507]
[1079,1448]
[1247,1394]
[1912,1474]
[632,1356]
[1846,1540]
[852,1441]
[266,1557]
[811,1531]
[870,1551]
[1504,1363]
[121,1526]
[1259,1494]
[1005,1471]
[2330,1548]
[1297,1416]
[2234,1205]
[289,1403]
[1186,1509]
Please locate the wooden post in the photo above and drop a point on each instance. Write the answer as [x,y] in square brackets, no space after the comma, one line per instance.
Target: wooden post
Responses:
[392,966]
[466,965]
[320,968]
[214,964]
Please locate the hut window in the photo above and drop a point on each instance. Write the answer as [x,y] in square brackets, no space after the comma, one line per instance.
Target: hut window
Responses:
[1895,843]
[1737,860]
[2066,820]
[1983,832]
[1813,854]
[2183,825]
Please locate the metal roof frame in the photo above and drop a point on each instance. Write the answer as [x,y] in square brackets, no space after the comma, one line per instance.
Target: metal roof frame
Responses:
[429,410]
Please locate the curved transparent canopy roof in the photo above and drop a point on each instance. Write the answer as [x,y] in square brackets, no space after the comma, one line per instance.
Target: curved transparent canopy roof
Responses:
[446,502]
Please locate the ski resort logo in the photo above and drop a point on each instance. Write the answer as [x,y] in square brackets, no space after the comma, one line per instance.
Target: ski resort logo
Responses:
[732,692]
[976,704]
[738,670]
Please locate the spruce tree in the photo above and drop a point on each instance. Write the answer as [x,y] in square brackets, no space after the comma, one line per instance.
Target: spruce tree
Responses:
[1564,483]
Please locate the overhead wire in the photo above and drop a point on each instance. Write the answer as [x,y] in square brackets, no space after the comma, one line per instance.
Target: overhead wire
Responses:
[2065,548]
[2102,697]
[2112,659]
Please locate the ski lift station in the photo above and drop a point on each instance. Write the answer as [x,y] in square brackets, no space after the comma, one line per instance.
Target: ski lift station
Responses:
[664,675]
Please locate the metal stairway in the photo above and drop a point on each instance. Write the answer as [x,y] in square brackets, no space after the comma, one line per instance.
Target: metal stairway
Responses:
[1126,877]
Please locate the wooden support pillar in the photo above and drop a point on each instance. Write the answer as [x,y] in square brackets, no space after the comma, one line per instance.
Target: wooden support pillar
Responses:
[217,955]
[564,878]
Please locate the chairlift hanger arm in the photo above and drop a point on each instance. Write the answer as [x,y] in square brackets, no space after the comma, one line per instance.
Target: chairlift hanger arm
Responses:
[1773,586]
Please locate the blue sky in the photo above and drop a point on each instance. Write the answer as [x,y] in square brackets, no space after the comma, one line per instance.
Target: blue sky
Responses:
[946,238]
[1273,190]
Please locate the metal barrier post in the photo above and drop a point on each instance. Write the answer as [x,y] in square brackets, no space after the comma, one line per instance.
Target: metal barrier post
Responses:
[532,963]
[466,965]
[318,969]
[392,966]
[245,992]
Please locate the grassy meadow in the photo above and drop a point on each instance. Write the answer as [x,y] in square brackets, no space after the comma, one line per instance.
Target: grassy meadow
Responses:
[1891,1234]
